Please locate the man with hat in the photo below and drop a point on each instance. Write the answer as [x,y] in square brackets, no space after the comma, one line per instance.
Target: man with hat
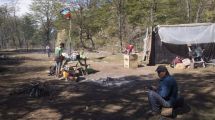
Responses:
[166,93]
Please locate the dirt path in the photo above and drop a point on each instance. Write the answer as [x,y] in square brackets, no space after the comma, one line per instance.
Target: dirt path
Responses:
[91,101]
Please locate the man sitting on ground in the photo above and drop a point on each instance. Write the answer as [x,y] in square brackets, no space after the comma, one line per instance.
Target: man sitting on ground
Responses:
[165,95]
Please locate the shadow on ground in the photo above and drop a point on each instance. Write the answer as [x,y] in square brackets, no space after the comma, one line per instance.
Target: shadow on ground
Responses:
[198,90]
[90,101]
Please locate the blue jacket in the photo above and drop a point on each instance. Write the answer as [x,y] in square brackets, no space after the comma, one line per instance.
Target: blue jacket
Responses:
[168,89]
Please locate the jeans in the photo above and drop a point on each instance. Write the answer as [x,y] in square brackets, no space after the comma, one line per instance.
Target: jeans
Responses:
[58,67]
[156,102]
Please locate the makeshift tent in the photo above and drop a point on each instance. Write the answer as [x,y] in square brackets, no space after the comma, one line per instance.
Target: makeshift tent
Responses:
[169,41]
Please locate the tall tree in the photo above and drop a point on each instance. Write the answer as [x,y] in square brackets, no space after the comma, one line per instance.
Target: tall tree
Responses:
[89,16]
[45,12]
[121,18]
[8,30]
[28,27]
[3,24]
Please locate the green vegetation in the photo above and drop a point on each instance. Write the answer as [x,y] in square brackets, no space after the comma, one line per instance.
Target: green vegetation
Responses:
[97,24]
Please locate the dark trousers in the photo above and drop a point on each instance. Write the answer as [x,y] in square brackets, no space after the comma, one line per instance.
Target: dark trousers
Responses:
[156,102]
[48,52]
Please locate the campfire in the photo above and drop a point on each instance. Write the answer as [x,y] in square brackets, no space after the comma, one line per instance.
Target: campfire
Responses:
[33,89]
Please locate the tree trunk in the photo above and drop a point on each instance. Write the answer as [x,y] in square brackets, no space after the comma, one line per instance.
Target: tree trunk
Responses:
[81,35]
[48,27]
[199,11]
[119,5]
[48,35]
[152,12]
[90,37]
[2,42]
[92,42]
[26,42]
[81,27]
[70,39]
[18,36]
[16,29]
[14,41]
[188,5]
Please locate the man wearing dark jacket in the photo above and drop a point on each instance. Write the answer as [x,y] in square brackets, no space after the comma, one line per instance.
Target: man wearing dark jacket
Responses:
[166,94]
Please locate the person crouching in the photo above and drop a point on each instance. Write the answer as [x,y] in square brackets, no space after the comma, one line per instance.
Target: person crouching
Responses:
[165,95]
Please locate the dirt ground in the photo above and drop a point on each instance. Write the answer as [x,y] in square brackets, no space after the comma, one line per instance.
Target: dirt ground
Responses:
[90,101]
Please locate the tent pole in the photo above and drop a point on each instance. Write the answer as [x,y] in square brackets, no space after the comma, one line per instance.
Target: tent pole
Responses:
[152,53]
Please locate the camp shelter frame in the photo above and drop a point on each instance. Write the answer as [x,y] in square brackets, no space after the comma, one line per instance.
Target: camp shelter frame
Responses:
[164,51]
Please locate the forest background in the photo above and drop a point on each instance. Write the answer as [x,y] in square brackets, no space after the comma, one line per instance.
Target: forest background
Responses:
[96,24]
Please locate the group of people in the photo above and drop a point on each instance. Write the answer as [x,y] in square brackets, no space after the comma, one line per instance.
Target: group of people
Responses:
[62,59]
[163,96]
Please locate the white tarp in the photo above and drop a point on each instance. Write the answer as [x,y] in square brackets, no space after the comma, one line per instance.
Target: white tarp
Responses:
[187,33]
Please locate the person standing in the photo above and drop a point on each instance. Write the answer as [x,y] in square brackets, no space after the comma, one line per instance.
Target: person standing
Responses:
[48,50]
[166,93]
[59,58]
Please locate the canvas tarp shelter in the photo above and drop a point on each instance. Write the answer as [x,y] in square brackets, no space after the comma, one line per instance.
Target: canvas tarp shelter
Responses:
[169,41]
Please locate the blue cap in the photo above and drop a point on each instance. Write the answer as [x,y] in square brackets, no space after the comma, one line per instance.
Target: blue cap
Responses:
[161,68]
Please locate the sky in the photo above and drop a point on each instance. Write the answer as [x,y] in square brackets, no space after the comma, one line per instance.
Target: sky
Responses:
[22,5]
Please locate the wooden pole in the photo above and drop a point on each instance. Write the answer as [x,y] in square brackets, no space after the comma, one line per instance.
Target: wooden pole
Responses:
[70,39]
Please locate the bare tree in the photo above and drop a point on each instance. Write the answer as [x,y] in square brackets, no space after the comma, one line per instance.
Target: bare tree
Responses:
[3,19]
[7,28]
